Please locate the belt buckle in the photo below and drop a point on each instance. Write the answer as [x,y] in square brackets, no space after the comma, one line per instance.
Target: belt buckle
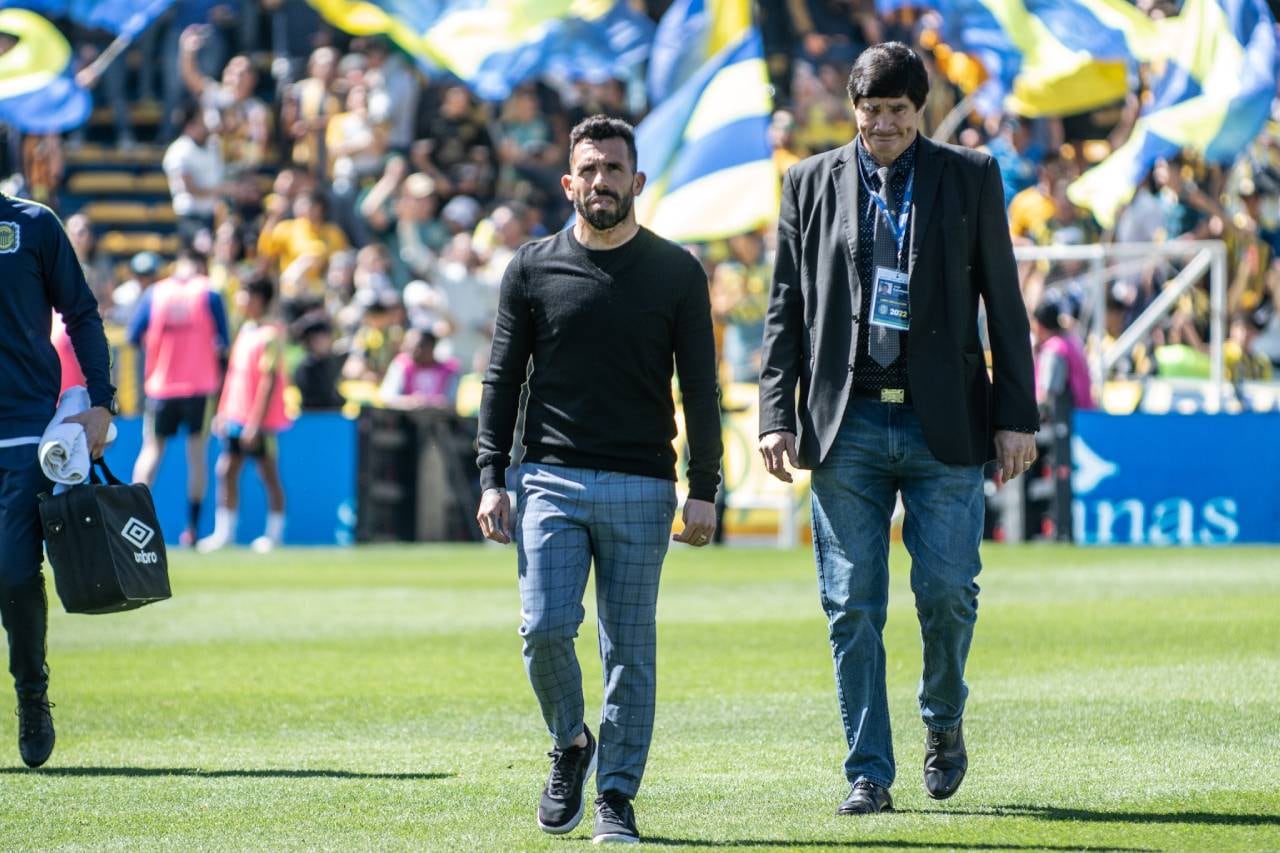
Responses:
[893,395]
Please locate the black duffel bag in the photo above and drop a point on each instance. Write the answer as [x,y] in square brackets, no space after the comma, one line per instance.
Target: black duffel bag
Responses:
[105,545]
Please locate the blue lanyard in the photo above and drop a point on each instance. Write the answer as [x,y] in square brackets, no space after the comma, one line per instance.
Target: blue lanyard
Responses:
[897,229]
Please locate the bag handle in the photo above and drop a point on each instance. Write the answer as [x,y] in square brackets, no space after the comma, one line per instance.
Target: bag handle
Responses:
[107,476]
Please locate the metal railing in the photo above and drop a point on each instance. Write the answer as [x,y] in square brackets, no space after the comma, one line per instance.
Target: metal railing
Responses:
[1200,256]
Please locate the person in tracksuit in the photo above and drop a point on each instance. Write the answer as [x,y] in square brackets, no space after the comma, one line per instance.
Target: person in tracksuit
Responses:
[40,274]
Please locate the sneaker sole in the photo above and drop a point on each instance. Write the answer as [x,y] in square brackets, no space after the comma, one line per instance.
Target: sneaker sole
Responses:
[615,838]
[582,806]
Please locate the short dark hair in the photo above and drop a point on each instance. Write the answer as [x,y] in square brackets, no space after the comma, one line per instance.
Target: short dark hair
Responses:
[186,112]
[261,287]
[889,70]
[317,198]
[425,335]
[1048,312]
[312,323]
[599,127]
[187,251]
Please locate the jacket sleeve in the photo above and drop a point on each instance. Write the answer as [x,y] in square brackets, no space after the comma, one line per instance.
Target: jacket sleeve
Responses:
[784,323]
[1013,388]
[141,319]
[222,328]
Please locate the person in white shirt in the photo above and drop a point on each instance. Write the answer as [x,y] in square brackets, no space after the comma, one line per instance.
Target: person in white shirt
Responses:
[194,167]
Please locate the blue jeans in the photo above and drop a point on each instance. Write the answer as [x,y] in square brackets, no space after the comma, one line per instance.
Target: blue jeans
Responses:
[879,451]
[566,518]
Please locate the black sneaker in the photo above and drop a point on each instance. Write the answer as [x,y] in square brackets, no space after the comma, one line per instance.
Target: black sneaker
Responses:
[615,820]
[35,729]
[562,802]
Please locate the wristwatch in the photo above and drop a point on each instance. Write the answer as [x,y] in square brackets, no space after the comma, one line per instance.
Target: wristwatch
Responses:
[111,405]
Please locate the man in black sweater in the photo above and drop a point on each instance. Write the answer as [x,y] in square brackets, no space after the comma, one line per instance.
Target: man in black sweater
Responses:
[604,311]
[40,273]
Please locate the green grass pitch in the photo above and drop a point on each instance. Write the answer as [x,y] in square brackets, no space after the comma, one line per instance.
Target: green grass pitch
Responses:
[375,699]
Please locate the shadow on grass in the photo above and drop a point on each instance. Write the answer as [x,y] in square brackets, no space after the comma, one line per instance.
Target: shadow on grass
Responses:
[1035,812]
[219,774]
[882,843]
[1092,816]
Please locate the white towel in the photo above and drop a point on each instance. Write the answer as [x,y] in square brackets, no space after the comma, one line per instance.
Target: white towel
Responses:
[64,448]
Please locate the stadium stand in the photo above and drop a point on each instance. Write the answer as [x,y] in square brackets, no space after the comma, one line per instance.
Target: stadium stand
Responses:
[428,190]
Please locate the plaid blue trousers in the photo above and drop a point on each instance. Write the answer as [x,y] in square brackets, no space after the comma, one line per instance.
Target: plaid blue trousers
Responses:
[565,518]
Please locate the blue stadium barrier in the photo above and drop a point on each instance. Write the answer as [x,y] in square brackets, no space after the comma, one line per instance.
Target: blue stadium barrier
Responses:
[317,465]
[1176,479]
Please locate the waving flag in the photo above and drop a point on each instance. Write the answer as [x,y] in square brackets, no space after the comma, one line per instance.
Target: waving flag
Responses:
[706,151]
[495,45]
[1045,57]
[690,33]
[38,93]
[1213,96]
[125,18]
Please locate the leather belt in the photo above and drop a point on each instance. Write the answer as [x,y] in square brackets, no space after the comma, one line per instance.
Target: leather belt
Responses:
[884,395]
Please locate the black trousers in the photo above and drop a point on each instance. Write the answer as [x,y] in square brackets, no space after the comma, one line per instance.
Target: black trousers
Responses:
[24,608]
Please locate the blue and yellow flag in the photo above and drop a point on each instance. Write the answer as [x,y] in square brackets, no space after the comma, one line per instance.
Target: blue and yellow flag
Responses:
[1213,95]
[706,152]
[495,45]
[125,18]
[1045,57]
[690,34]
[38,92]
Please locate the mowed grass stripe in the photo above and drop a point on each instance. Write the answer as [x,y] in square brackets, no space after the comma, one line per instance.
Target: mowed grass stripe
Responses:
[375,698]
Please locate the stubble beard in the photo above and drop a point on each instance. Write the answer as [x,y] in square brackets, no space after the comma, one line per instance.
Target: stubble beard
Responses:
[603,219]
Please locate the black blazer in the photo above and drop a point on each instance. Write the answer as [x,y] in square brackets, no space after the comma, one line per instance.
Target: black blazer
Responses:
[960,250]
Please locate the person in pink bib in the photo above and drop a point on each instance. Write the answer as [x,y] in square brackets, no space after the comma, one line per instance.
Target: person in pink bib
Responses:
[71,373]
[1061,368]
[416,379]
[181,326]
[251,413]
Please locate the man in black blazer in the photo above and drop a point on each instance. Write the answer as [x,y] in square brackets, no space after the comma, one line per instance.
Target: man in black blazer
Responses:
[884,247]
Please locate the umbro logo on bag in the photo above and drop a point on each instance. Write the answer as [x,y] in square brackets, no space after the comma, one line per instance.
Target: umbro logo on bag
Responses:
[137,534]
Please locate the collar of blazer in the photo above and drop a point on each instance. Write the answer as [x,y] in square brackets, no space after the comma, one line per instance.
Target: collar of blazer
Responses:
[928,170]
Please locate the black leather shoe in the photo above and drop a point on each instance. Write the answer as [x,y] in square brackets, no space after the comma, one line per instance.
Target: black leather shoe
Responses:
[866,798]
[35,729]
[945,762]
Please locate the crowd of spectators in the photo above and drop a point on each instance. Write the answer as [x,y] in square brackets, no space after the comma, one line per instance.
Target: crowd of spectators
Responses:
[386,204]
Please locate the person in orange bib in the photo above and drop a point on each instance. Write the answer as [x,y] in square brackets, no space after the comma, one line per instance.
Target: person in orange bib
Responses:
[251,413]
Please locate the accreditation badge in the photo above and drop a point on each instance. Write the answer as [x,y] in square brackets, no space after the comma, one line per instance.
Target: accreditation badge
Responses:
[10,237]
[890,307]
